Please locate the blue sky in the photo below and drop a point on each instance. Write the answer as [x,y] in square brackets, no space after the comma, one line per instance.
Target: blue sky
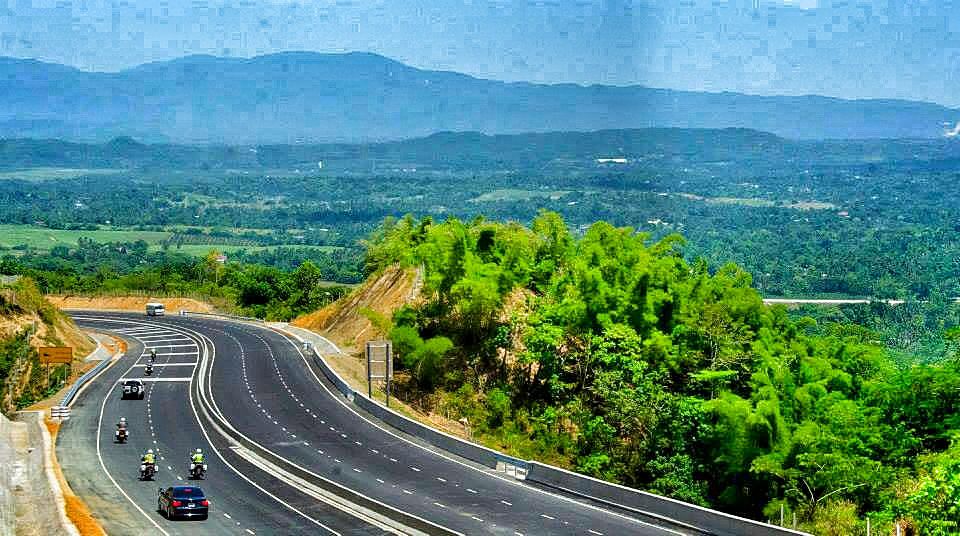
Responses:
[846,48]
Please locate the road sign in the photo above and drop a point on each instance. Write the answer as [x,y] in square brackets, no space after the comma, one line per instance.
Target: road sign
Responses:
[60,412]
[50,355]
[379,365]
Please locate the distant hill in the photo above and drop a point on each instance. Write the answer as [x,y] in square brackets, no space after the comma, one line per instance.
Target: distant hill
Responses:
[474,152]
[309,97]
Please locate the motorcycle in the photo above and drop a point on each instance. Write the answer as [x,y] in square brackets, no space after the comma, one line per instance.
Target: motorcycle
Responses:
[147,471]
[122,435]
[198,470]
[148,370]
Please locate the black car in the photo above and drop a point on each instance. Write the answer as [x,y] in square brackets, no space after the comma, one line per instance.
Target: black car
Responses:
[132,389]
[183,501]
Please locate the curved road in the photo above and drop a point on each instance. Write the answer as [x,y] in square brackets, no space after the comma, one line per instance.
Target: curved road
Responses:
[276,435]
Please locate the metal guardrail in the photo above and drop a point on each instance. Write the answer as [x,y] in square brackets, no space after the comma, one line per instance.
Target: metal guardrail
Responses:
[87,376]
[184,312]
[682,515]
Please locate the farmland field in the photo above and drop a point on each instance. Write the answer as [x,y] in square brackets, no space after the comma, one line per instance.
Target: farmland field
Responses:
[43,238]
[54,173]
[200,250]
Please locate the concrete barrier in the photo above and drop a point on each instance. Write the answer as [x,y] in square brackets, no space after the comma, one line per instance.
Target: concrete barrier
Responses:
[703,519]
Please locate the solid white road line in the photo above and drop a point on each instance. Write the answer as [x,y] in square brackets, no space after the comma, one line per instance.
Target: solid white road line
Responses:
[152,380]
[103,466]
[155,365]
[505,479]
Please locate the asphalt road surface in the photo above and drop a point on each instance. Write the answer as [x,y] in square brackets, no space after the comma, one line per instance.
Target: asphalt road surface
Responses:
[257,384]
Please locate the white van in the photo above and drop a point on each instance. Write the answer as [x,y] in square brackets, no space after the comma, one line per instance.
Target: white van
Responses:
[155,309]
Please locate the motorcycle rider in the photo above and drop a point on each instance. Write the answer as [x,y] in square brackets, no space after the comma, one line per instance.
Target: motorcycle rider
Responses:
[148,458]
[122,429]
[149,368]
[196,463]
[153,355]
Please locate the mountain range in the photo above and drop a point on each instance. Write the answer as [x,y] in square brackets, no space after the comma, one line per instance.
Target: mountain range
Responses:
[298,97]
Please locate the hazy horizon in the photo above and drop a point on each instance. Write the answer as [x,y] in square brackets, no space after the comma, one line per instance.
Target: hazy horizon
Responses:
[852,50]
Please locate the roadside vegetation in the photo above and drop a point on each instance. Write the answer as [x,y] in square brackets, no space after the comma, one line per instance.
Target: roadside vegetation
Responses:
[299,286]
[612,355]
[27,321]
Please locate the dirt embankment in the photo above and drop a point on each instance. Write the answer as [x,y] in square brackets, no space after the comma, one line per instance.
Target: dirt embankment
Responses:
[348,325]
[127,303]
[344,321]
[24,310]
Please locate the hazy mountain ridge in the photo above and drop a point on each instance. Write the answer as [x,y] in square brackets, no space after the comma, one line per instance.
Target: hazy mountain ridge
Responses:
[311,97]
[659,148]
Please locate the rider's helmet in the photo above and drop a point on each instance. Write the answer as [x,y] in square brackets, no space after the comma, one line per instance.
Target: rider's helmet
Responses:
[149,451]
[198,451]
[123,420]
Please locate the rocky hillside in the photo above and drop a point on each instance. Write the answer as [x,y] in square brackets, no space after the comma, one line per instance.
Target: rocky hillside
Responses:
[351,321]
[27,321]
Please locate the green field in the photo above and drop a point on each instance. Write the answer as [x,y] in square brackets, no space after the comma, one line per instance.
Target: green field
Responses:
[200,250]
[512,194]
[43,238]
[52,173]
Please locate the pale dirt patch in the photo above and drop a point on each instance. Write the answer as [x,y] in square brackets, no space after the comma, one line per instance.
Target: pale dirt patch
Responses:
[344,323]
[128,303]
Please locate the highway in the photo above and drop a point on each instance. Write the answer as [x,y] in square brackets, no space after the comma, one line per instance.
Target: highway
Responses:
[286,454]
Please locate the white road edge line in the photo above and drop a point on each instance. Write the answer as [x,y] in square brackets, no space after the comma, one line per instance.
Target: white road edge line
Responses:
[215,450]
[209,375]
[103,406]
[288,336]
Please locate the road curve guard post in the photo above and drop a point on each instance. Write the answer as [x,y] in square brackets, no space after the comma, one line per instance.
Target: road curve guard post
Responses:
[60,413]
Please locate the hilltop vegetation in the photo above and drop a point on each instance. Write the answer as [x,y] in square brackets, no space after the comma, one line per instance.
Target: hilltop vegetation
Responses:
[611,354]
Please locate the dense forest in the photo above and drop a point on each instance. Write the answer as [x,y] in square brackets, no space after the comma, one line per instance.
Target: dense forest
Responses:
[611,354]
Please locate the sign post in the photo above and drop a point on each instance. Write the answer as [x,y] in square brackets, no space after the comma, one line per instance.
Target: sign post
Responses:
[379,365]
[55,355]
